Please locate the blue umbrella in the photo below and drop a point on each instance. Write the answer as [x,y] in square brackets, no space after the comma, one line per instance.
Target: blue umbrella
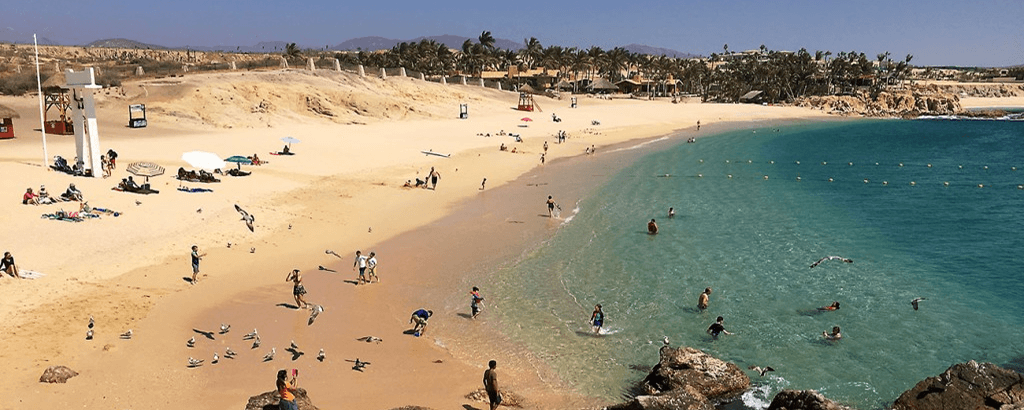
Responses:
[239,160]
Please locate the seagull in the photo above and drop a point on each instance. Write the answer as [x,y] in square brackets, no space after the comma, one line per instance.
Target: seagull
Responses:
[315,312]
[321,356]
[323,268]
[369,339]
[829,258]
[199,211]
[289,226]
[92,322]
[359,365]
[761,371]
[270,356]
[127,335]
[138,202]
[88,335]
[294,346]
[251,335]
[224,328]
[665,340]
[191,342]
[229,353]
[229,244]
[915,301]
[194,362]
[216,358]
[256,343]
[330,252]
[252,250]
[249,219]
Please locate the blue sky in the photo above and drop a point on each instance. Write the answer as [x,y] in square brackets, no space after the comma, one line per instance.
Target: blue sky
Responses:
[939,32]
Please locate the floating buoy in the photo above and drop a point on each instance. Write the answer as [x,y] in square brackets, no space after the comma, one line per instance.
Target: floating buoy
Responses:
[885,182]
[797,178]
[726,161]
[1020,186]
[901,164]
[750,162]
[798,162]
[981,185]
[700,175]
[771,162]
[824,163]
[929,165]
[831,180]
[730,175]
[866,181]
[960,166]
[1013,168]
[985,167]
[946,183]
[912,183]
[765,177]
[851,164]
[701,161]
[876,163]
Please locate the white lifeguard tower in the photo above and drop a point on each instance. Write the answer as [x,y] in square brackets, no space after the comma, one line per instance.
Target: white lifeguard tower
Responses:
[82,85]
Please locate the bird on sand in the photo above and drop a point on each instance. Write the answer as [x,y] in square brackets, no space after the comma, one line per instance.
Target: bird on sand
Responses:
[224,328]
[88,335]
[191,342]
[251,335]
[321,356]
[256,342]
[294,346]
[229,353]
[138,202]
[194,362]
[359,365]
[761,371]
[915,301]
[246,217]
[92,322]
[270,356]
[216,358]
[369,339]
[330,252]
[127,335]
[830,258]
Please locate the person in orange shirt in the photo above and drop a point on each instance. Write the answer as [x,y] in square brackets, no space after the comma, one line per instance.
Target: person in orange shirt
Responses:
[286,390]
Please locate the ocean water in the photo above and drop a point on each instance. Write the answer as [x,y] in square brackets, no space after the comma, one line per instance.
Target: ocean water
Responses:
[752,237]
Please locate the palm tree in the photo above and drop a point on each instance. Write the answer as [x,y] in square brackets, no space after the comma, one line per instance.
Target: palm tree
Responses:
[487,40]
[291,51]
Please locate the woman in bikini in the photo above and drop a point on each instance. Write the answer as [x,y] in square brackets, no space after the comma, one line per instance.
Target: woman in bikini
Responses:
[297,289]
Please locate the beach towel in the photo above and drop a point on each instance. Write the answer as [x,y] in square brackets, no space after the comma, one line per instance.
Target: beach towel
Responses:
[194,190]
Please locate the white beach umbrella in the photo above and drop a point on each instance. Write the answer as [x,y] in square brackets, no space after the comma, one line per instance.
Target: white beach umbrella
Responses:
[203,160]
[290,140]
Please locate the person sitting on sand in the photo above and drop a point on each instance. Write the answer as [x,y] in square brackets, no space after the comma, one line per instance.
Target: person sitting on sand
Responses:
[703,300]
[652,227]
[503,147]
[131,185]
[298,291]
[408,184]
[29,198]
[286,151]
[419,317]
[835,335]
[44,197]
[255,159]
[833,306]
[72,194]
[717,328]
[514,150]
[7,266]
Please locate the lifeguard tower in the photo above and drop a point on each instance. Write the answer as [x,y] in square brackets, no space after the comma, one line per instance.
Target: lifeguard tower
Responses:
[81,86]
[137,116]
[525,102]
[57,98]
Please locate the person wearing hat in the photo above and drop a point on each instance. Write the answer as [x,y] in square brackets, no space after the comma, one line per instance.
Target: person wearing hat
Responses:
[73,194]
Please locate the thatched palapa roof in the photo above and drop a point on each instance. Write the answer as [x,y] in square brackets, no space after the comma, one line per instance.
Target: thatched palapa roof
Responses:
[525,88]
[56,81]
[8,112]
[602,84]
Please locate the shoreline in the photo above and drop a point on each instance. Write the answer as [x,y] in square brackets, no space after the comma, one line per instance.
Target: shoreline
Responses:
[328,207]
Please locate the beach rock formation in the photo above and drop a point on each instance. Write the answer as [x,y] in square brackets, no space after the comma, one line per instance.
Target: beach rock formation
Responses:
[57,374]
[968,386]
[412,408]
[687,378]
[905,103]
[271,399]
[803,400]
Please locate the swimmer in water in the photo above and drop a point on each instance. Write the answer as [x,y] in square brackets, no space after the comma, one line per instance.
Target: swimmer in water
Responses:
[671,212]
[652,227]
[833,306]
[835,335]
[703,300]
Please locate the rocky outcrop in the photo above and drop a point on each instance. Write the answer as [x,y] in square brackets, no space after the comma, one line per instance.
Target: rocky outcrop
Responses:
[57,374]
[803,400]
[888,104]
[687,378]
[967,386]
[271,399]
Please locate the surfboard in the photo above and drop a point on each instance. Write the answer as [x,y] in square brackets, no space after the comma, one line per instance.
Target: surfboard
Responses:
[437,154]
[30,274]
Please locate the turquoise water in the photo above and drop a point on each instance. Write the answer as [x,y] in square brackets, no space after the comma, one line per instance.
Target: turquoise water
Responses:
[752,240]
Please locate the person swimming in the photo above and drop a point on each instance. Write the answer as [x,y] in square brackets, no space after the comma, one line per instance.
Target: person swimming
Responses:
[652,227]
[833,306]
[835,335]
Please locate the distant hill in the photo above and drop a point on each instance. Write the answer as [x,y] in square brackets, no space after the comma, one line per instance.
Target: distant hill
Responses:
[123,43]
[657,51]
[451,41]
[8,35]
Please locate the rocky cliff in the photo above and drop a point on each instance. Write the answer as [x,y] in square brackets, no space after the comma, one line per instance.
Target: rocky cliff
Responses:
[910,103]
[687,378]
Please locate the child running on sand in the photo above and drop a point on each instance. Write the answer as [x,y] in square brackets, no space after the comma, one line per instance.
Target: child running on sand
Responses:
[371,265]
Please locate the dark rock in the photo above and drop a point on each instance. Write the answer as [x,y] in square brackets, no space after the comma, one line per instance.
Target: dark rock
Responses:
[271,399]
[803,400]
[966,386]
[57,374]
[687,378]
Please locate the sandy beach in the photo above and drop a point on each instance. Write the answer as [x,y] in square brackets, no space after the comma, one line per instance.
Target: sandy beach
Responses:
[361,140]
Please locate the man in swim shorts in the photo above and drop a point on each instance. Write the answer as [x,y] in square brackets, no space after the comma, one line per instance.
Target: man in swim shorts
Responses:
[419,317]
[360,261]
[717,328]
[491,384]
[477,302]
[703,299]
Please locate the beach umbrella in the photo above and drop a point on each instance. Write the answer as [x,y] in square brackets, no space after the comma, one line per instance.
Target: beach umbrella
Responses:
[145,169]
[526,119]
[290,140]
[203,160]
[238,159]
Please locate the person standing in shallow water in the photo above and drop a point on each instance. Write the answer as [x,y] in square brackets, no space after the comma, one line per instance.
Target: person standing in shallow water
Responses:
[703,300]
[551,207]
[477,302]
[718,328]
[652,227]
[597,319]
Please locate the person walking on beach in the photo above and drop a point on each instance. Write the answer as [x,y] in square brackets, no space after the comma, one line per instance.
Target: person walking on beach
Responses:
[491,384]
[703,300]
[545,147]
[542,158]
[717,328]
[597,319]
[652,227]
[483,184]
[286,390]
[371,266]
[7,266]
[434,176]
[477,302]
[551,207]
[698,125]
[196,257]
[298,291]
[420,317]
[360,262]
